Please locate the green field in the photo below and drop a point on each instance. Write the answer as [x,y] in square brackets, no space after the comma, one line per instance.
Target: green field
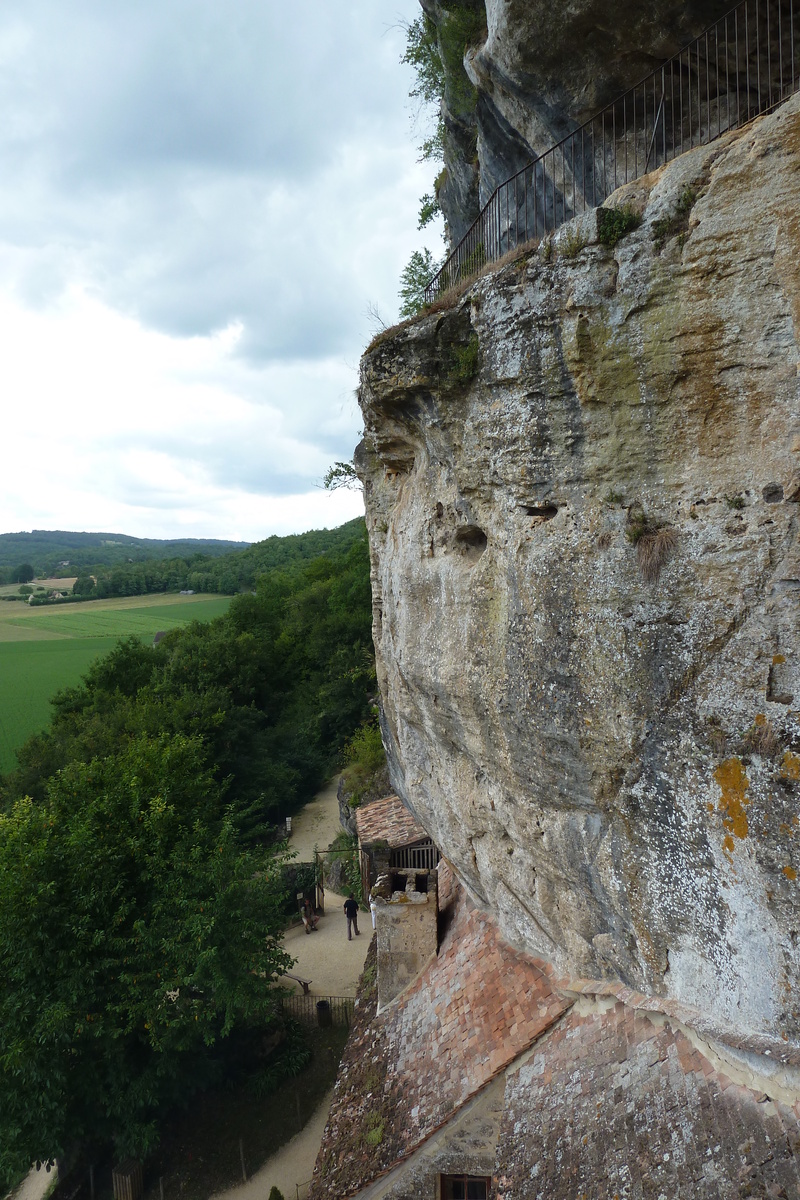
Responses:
[45,649]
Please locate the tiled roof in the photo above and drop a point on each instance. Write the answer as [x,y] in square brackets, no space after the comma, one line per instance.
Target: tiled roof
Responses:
[613,1098]
[475,1009]
[611,1104]
[388,820]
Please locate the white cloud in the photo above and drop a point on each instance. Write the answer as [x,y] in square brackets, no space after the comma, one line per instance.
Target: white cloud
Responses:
[200,202]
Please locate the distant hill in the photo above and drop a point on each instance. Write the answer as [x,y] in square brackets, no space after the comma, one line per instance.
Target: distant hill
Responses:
[45,549]
[126,566]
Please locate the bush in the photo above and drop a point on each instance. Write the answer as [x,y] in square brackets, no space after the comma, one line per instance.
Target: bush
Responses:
[464,363]
[614,223]
[365,748]
[654,543]
[678,222]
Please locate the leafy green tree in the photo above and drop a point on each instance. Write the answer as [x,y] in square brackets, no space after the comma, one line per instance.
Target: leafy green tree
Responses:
[415,277]
[24,573]
[341,475]
[84,585]
[428,209]
[135,935]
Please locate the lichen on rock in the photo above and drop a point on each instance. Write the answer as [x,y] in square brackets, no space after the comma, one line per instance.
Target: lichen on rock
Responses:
[566,728]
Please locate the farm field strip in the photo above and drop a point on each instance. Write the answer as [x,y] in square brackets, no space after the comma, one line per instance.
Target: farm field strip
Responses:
[143,615]
[30,674]
[43,650]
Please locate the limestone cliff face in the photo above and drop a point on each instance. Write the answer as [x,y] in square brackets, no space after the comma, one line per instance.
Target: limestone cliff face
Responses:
[539,72]
[582,487]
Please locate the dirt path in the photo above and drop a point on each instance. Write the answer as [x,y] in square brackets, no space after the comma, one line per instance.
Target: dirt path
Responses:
[317,824]
[289,1170]
[37,1183]
[325,957]
[333,965]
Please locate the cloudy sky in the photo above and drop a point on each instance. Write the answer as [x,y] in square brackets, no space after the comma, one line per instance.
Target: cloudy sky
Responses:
[198,203]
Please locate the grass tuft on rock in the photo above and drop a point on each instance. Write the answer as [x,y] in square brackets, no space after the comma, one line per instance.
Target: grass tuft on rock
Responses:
[613,224]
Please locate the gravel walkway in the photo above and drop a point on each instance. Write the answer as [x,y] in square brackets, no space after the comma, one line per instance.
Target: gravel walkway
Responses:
[333,965]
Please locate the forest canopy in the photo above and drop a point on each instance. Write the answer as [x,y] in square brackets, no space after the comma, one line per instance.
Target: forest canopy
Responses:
[140,910]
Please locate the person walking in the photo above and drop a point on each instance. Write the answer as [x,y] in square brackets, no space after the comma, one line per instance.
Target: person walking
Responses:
[351,912]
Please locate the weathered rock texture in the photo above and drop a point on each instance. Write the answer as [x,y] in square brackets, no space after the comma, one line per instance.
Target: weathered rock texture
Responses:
[541,70]
[610,761]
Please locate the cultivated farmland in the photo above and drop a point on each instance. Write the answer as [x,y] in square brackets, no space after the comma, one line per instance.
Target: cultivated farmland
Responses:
[45,649]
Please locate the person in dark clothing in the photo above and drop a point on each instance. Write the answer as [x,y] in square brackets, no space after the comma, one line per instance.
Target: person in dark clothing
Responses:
[351,912]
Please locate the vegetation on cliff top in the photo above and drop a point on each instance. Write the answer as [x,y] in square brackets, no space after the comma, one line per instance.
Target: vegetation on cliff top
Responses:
[435,50]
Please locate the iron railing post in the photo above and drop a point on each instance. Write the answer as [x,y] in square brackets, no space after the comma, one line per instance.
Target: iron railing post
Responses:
[484,240]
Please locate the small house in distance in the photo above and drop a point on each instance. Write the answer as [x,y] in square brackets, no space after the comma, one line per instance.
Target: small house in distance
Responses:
[391,839]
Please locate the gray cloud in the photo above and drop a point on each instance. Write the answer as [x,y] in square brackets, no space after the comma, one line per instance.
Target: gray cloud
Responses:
[188,160]
[199,167]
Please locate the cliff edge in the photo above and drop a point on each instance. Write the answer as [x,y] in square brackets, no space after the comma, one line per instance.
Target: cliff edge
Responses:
[582,484]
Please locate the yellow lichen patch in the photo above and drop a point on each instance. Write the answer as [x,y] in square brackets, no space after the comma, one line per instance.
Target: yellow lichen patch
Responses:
[760,719]
[791,766]
[777,659]
[790,872]
[728,843]
[733,784]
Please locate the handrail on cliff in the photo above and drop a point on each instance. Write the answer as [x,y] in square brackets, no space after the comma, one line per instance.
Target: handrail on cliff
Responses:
[740,67]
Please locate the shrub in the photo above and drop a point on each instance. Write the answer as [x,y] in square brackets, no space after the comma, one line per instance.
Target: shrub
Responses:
[678,222]
[761,738]
[464,361]
[614,223]
[653,549]
[365,748]
[572,244]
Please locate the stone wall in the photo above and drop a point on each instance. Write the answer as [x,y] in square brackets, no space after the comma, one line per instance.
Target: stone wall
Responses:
[407,939]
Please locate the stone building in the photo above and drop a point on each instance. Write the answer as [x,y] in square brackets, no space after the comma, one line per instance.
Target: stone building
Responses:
[390,838]
[488,1076]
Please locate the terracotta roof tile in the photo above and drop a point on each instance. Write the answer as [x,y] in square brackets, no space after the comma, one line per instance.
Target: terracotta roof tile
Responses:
[434,1057]
[388,820]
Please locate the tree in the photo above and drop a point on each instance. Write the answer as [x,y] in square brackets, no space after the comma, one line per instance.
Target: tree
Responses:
[24,573]
[341,475]
[414,278]
[84,585]
[135,934]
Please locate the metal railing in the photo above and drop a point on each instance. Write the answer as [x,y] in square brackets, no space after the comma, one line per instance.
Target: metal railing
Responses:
[742,66]
[322,1010]
[415,858]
